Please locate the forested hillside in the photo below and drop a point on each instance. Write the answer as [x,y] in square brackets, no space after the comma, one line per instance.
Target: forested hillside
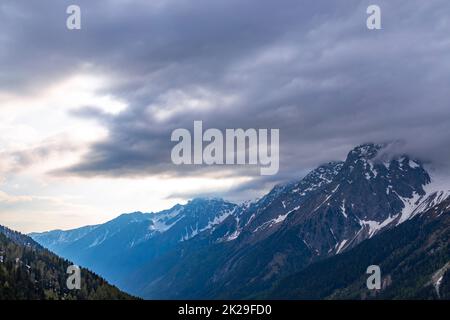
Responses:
[28,271]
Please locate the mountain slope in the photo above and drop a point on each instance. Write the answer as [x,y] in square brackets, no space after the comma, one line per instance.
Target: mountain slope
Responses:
[28,271]
[414,259]
[117,248]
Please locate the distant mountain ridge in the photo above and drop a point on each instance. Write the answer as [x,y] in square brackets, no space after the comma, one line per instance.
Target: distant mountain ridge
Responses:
[213,248]
[133,239]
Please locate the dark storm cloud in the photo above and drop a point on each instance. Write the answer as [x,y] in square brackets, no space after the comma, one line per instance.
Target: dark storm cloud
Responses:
[311,69]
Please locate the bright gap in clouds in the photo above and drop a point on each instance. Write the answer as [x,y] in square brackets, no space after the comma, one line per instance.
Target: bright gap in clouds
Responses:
[38,135]
[74,202]
[45,114]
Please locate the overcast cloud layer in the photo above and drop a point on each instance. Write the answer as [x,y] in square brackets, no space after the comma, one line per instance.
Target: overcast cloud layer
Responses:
[310,68]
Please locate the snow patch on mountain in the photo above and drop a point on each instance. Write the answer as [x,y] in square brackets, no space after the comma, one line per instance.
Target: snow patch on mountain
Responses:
[190,233]
[234,235]
[435,192]
[218,219]
[161,226]
[343,209]
[99,240]
[327,198]
[375,226]
[340,246]
[410,207]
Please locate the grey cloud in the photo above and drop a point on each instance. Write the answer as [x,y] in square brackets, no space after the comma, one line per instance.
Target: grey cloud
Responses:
[311,69]
[18,160]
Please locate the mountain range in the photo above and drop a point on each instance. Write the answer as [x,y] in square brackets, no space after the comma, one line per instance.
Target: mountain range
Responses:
[308,239]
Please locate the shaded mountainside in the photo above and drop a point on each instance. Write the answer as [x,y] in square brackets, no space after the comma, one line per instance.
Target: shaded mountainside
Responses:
[414,259]
[119,247]
[210,248]
[28,271]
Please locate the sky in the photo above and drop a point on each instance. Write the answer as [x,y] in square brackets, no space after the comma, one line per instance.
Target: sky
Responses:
[86,115]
